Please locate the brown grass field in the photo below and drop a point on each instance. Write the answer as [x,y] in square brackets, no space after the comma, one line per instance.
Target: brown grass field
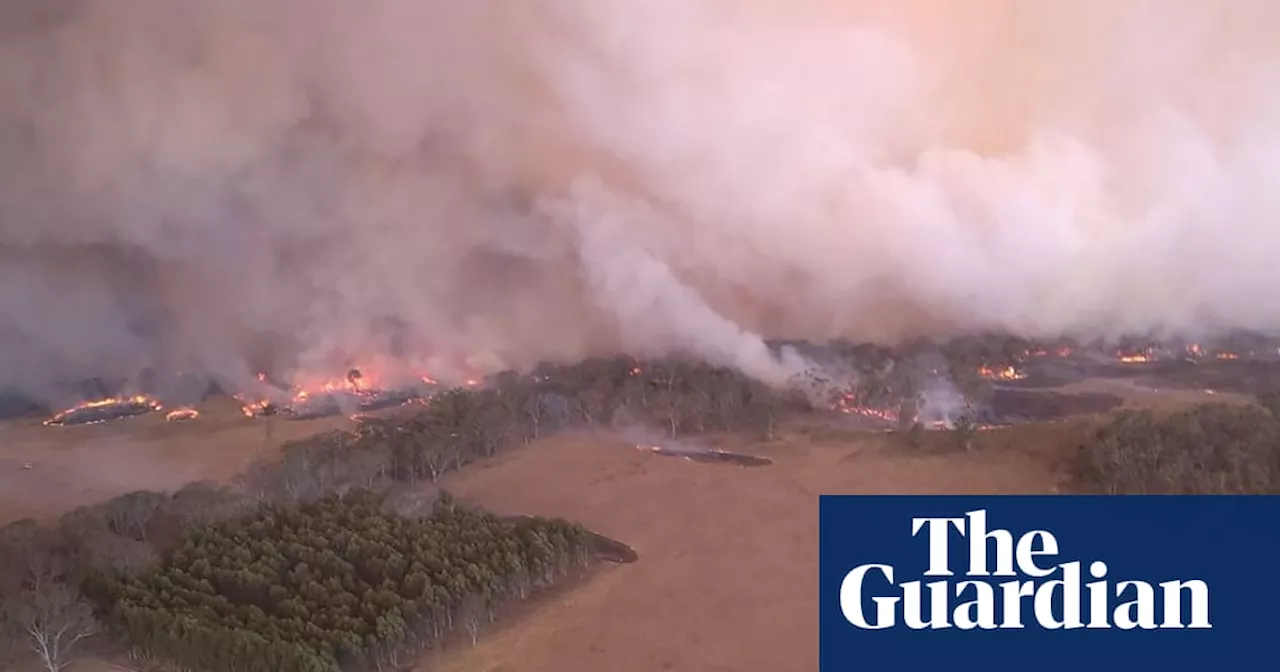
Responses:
[727,576]
[84,464]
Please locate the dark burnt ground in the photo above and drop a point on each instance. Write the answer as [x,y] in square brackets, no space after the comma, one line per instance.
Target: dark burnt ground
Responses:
[711,456]
[722,457]
[1009,405]
[382,399]
[1244,376]
[612,550]
[317,407]
[328,405]
[1238,375]
[1079,369]
[1047,374]
[94,414]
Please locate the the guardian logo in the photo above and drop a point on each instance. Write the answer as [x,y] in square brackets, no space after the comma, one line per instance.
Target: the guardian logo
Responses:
[1009,583]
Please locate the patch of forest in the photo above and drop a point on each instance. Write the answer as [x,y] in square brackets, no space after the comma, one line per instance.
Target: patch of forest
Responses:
[1207,449]
[337,584]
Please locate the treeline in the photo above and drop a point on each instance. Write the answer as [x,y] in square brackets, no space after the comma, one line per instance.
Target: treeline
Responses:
[1208,449]
[679,394]
[335,584]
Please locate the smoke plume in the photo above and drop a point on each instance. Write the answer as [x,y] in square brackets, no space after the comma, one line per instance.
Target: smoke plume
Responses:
[230,187]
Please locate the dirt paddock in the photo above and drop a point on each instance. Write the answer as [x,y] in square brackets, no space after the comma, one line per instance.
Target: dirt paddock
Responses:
[728,556]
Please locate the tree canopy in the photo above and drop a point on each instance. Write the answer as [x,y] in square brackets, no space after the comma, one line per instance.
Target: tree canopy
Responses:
[334,584]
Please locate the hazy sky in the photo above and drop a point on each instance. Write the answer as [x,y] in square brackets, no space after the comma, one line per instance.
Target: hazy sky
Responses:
[302,185]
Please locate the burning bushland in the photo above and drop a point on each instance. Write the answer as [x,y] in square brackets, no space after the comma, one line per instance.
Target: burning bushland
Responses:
[354,393]
[872,386]
[103,410]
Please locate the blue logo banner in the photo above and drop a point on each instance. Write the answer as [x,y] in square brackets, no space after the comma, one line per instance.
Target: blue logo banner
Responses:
[1047,582]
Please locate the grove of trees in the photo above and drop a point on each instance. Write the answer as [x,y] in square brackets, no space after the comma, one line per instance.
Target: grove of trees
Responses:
[334,584]
[1207,449]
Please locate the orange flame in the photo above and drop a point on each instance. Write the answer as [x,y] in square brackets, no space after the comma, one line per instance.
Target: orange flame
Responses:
[139,400]
[847,404]
[183,413]
[876,413]
[1001,373]
[252,408]
[356,383]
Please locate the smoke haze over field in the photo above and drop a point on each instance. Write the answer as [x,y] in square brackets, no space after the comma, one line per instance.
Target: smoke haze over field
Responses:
[299,185]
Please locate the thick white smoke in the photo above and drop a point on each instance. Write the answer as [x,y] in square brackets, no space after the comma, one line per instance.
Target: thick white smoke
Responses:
[309,184]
